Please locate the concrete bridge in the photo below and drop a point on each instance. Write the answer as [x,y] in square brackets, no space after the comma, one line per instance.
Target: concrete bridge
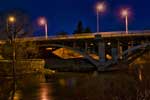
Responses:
[101,49]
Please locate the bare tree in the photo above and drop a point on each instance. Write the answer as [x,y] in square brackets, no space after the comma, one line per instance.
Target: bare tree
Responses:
[21,27]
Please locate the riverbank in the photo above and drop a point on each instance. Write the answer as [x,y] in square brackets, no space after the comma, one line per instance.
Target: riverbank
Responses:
[21,66]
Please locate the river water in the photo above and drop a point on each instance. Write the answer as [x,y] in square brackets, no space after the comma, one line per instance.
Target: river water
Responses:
[129,84]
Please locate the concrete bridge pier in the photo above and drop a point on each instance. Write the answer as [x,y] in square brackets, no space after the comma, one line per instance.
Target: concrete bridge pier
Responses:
[101,51]
[114,53]
[120,49]
[130,45]
[74,44]
[86,46]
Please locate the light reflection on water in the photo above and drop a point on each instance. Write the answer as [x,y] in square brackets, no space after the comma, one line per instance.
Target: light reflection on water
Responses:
[140,73]
[45,92]
[17,95]
[132,84]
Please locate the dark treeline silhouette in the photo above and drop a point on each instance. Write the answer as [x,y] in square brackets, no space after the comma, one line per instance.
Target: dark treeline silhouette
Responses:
[62,33]
[23,25]
[80,29]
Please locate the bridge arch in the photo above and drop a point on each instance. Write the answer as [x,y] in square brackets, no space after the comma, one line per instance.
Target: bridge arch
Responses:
[134,49]
[84,54]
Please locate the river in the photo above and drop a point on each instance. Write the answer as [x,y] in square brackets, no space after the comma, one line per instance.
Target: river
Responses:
[130,84]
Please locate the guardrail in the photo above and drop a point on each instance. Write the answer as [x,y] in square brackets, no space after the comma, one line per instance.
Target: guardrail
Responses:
[85,36]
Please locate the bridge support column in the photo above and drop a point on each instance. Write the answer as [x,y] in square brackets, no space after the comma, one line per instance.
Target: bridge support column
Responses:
[74,44]
[114,54]
[130,45]
[101,51]
[120,50]
[86,46]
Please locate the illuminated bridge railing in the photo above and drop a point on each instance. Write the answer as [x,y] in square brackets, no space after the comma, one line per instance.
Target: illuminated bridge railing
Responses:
[89,35]
[86,36]
[59,37]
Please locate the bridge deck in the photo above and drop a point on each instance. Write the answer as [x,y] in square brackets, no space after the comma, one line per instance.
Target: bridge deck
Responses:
[86,36]
[89,36]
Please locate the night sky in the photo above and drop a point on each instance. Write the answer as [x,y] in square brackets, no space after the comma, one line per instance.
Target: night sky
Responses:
[63,15]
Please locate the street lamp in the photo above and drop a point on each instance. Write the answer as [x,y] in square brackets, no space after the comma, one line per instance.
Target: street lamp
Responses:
[100,7]
[11,20]
[125,14]
[43,22]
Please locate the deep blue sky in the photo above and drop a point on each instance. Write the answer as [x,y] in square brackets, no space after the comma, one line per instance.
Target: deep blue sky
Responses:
[63,15]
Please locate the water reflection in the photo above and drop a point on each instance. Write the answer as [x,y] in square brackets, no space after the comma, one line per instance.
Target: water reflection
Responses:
[17,95]
[71,86]
[131,84]
[19,88]
[45,92]
[71,82]
[140,73]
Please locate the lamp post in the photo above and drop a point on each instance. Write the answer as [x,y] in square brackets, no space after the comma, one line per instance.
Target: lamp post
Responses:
[43,22]
[100,7]
[10,21]
[125,14]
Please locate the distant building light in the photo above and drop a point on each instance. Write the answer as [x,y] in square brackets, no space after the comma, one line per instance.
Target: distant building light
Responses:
[109,57]
[109,43]
[91,44]
[49,49]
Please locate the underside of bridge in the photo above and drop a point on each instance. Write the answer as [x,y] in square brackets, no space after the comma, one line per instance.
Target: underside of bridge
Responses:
[94,50]
[66,53]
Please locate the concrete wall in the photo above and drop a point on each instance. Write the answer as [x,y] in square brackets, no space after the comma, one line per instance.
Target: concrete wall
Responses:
[22,66]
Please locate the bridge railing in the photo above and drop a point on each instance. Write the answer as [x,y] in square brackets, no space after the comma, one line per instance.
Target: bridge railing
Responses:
[86,35]
[91,35]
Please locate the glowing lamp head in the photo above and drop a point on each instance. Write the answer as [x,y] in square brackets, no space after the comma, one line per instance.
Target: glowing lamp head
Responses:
[42,21]
[100,7]
[124,12]
[11,19]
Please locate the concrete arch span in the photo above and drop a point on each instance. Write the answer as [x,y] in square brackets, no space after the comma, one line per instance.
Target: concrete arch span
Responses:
[84,54]
[142,46]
